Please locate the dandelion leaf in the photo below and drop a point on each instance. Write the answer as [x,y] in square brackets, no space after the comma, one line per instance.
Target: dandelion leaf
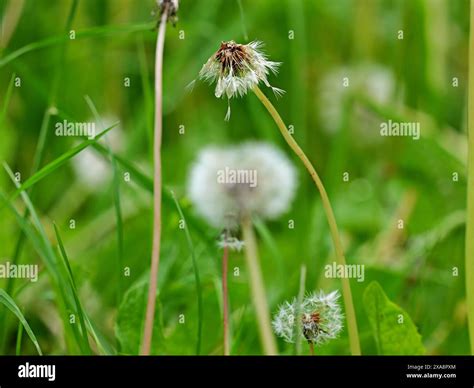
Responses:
[131,320]
[393,329]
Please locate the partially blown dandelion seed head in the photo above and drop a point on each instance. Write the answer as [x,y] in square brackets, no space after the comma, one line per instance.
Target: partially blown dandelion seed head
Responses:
[171,7]
[233,243]
[237,68]
[226,184]
[320,318]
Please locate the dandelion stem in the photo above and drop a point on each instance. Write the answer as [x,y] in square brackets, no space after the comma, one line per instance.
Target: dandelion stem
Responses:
[225,297]
[311,348]
[470,192]
[257,288]
[346,288]
[155,256]
[299,326]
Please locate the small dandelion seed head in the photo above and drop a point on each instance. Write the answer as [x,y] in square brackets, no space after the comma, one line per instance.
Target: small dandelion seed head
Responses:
[254,178]
[320,318]
[372,81]
[91,169]
[171,7]
[233,243]
[236,68]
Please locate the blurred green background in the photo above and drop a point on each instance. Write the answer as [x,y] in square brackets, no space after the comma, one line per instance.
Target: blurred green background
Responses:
[420,78]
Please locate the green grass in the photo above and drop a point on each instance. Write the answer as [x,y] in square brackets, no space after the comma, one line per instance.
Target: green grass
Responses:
[82,269]
[85,347]
[58,162]
[196,275]
[10,304]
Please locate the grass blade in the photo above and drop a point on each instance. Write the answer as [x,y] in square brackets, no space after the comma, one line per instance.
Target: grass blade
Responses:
[42,242]
[147,183]
[242,19]
[117,207]
[86,33]
[58,162]
[19,337]
[6,103]
[42,246]
[72,284]
[147,92]
[270,242]
[469,263]
[118,216]
[139,177]
[196,275]
[10,304]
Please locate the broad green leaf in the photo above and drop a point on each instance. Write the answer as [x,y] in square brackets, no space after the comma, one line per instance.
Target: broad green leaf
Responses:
[131,320]
[394,331]
[11,305]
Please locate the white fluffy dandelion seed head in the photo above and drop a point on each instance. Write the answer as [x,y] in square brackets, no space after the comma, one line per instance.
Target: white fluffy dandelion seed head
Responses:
[373,81]
[226,184]
[90,167]
[284,321]
[320,319]
[236,68]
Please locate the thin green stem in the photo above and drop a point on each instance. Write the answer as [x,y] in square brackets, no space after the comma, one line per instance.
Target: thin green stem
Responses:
[155,255]
[9,22]
[242,19]
[19,337]
[470,192]
[258,289]
[299,326]
[225,297]
[346,288]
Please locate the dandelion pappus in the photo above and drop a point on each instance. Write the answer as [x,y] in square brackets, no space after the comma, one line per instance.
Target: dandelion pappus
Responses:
[312,325]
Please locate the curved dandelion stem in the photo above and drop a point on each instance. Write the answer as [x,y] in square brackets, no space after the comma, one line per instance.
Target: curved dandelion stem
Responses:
[257,289]
[346,288]
[155,255]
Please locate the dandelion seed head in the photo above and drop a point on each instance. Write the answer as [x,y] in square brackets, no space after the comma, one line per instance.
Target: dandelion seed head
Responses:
[267,192]
[91,169]
[320,319]
[233,243]
[370,80]
[173,6]
[236,68]
[170,7]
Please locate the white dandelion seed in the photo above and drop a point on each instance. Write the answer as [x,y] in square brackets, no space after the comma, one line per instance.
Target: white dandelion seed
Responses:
[237,68]
[226,184]
[320,319]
